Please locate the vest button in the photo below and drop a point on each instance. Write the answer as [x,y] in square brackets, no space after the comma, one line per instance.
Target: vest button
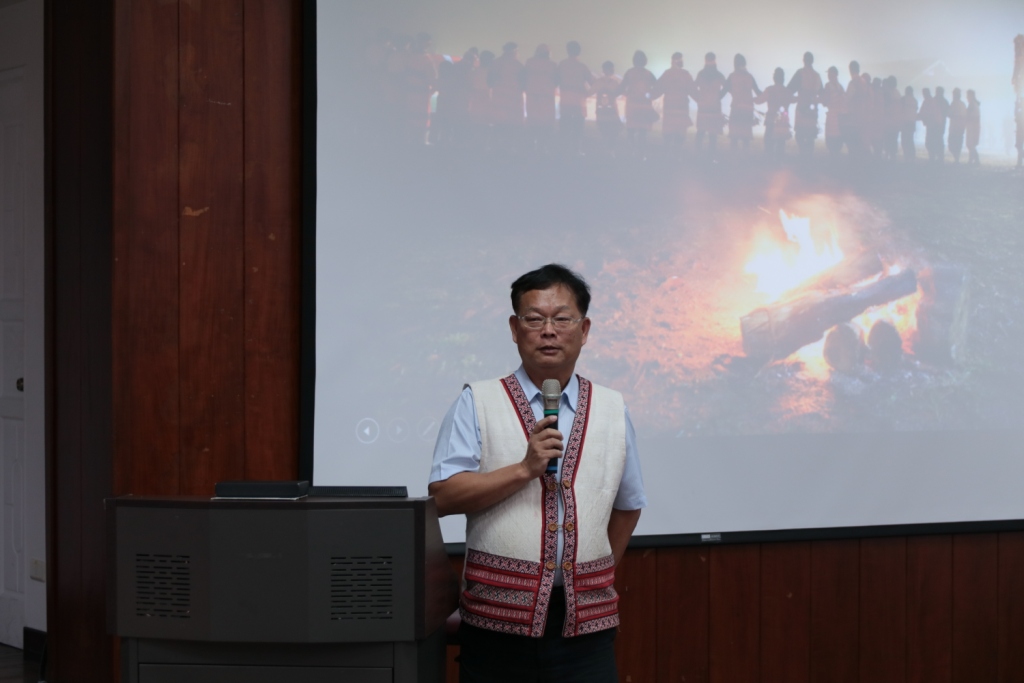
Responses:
[551,566]
[552,527]
[569,526]
[567,565]
[567,483]
[552,485]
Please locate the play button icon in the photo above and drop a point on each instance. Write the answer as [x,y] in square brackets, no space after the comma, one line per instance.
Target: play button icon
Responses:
[367,430]
[398,430]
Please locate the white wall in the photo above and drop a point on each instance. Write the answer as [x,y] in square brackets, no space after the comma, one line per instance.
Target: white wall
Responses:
[21,45]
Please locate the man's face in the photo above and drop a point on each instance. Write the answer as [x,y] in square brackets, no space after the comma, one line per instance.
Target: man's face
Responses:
[548,353]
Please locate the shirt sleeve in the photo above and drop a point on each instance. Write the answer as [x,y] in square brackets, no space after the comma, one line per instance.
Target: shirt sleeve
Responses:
[631,494]
[458,440]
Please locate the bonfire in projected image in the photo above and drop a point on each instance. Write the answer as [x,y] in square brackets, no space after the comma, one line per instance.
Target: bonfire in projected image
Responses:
[826,308]
[803,322]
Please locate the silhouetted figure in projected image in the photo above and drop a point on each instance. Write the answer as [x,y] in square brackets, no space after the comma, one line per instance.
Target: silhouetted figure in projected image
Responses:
[606,106]
[891,122]
[776,118]
[908,124]
[479,105]
[421,80]
[676,87]
[806,86]
[833,97]
[540,79]
[394,83]
[710,82]
[505,76]
[637,84]
[1019,116]
[743,89]
[855,112]
[957,125]
[574,81]
[876,115]
[935,139]
[973,127]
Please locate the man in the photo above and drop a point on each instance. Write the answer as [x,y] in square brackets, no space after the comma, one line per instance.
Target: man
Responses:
[806,87]
[855,111]
[743,88]
[676,88]
[574,81]
[908,124]
[538,601]
[540,81]
[709,85]
[833,97]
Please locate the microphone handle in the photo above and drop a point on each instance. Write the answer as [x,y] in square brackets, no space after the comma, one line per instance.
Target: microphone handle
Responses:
[553,462]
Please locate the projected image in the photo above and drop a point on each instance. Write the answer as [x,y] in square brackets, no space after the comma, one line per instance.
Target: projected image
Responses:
[825,249]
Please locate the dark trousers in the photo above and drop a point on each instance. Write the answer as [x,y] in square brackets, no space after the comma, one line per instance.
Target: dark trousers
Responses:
[492,657]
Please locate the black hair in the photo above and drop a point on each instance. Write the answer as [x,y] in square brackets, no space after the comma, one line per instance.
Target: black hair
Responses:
[549,276]
[573,48]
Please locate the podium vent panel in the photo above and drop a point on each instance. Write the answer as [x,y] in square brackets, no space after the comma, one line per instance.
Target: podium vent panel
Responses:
[163,586]
[362,588]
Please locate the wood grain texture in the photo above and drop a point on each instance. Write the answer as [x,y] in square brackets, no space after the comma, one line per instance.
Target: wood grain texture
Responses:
[1011,608]
[883,610]
[145,294]
[79,60]
[272,237]
[835,612]
[683,595]
[636,643]
[733,644]
[929,609]
[211,239]
[785,612]
[975,607]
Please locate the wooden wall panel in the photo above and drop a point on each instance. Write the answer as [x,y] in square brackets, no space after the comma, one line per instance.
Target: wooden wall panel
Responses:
[210,235]
[883,606]
[637,641]
[733,643]
[786,612]
[835,612]
[975,607]
[79,96]
[1011,608]
[929,609]
[272,237]
[145,296]
[683,595]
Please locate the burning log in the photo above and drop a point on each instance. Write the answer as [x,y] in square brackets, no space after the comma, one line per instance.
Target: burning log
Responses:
[942,314]
[845,273]
[844,347]
[778,330]
[885,347]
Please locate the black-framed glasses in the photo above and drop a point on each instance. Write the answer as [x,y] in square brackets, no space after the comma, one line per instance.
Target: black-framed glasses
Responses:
[537,322]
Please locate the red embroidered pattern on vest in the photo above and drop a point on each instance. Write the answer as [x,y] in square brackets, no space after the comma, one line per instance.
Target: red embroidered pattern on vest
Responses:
[570,466]
[549,509]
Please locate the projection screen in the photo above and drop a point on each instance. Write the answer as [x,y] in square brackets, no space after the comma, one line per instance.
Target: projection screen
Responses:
[816,332]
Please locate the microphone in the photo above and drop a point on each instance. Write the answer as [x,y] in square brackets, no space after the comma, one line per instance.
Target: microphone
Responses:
[551,391]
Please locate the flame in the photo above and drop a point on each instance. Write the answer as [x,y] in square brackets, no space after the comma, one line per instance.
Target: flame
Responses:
[781,268]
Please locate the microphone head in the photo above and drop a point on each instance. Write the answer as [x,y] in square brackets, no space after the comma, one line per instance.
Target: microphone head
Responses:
[551,390]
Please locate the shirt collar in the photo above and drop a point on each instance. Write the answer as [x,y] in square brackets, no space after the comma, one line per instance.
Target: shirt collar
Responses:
[570,393]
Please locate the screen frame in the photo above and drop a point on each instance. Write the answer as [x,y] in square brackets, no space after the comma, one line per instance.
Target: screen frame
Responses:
[307,363]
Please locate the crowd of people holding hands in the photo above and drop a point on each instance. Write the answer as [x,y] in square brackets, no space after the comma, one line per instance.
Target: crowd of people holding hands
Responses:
[505,103]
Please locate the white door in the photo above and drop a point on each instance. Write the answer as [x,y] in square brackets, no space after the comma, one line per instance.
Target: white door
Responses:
[22,445]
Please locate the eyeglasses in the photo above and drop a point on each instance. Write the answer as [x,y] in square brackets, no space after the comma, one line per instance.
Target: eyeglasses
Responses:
[537,322]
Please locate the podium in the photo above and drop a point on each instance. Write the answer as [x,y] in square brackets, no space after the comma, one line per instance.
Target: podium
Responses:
[306,591]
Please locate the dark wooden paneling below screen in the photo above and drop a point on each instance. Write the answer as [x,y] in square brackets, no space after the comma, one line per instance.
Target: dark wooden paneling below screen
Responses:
[895,609]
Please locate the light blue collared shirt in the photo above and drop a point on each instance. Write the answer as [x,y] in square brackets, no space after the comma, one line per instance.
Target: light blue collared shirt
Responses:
[459,444]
